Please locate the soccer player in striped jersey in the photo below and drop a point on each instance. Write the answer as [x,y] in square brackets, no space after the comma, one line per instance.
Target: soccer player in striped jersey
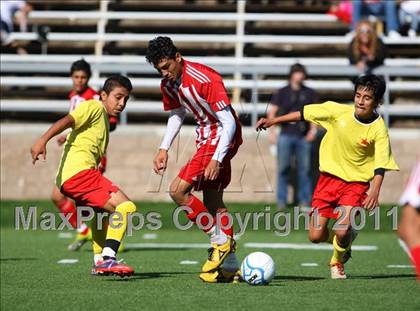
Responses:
[78,176]
[409,227]
[193,87]
[354,151]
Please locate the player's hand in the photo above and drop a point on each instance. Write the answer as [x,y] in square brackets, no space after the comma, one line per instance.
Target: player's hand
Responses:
[160,161]
[310,136]
[263,124]
[39,149]
[371,201]
[61,140]
[212,170]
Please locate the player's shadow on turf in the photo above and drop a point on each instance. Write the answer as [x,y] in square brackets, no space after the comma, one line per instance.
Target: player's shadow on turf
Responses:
[18,259]
[149,275]
[383,276]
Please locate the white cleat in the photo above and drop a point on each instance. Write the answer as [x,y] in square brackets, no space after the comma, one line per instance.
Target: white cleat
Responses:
[337,271]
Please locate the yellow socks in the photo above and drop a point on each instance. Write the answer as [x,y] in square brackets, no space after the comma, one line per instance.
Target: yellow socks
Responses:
[98,238]
[338,252]
[118,222]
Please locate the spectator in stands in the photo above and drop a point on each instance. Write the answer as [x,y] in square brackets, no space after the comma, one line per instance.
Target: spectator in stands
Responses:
[409,13]
[366,50]
[295,138]
[385,10]
[8,11]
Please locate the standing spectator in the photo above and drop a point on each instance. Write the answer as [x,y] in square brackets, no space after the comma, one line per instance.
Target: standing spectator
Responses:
[8,11]
[366,50]
[409,13]
[385,10]
[295,138]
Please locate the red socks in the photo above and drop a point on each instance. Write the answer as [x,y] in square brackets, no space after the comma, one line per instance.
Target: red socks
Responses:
[224,224]
[415,254]
[198,207]
[67,207]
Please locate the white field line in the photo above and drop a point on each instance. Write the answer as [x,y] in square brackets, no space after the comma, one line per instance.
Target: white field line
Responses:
[309,264]
[400,266]
[68,261]
[65,235]
[188,262]
[296,246]
[150,236]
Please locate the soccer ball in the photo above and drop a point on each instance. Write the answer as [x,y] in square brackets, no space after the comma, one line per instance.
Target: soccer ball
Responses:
[258,269]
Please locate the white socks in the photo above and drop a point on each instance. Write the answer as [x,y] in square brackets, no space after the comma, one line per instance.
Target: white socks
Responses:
[217,236]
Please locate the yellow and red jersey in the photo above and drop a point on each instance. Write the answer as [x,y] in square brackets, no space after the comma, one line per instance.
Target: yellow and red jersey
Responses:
[350,149]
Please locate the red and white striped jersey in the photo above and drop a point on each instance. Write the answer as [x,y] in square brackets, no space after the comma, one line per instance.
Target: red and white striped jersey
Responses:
[76,99]
[201,91]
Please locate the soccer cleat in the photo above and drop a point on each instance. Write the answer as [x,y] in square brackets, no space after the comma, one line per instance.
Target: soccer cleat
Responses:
[210,277]
[80,240]
[217,254]
[112,267]
[220,276]
[337,271]
[347,254]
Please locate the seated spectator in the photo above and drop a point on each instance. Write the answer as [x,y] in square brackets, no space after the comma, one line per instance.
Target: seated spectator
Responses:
[385,10]
[366,50]
[8,12]
[409,13]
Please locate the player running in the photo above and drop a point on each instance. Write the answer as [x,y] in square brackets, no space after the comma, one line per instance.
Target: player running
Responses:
[188,86]
[78,176]
[80,73]
[354,151]
[409,227]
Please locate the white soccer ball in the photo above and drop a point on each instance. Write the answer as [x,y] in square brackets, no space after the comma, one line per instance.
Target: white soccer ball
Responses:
[258,269]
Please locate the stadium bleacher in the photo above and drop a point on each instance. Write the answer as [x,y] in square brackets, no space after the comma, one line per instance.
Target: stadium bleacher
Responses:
[252,44]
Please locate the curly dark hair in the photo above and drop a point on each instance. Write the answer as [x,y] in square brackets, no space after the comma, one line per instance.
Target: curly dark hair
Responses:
[372,82]
[83,65]
[160,48]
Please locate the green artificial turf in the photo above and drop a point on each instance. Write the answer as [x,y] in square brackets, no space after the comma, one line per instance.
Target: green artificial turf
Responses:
[31,278]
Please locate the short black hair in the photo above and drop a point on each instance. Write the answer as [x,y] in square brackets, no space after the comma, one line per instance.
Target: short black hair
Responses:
[160,48]
[297,68]
[83,65]
[117,81]
[371,82]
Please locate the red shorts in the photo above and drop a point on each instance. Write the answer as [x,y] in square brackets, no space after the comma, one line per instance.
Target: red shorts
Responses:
[331,191]
[193,171]
[89,188]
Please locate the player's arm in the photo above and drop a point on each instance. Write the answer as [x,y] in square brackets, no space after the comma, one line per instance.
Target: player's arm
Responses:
[225,117]
[372,200]
[271,114]
[175,120]
[40,146]
[265,123]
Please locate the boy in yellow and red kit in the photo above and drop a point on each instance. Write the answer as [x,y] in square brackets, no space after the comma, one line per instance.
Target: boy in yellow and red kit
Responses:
[354,151]
[78,176]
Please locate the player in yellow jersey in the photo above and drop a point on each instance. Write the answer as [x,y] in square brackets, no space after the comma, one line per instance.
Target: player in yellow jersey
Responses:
[354,151]
[78,176]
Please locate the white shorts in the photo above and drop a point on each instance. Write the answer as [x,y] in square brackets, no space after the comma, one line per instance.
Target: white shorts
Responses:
[411,194]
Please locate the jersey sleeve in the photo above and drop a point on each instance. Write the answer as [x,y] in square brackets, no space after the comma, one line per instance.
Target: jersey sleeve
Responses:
[85,113]
[169,99]
[215,94]
[321,114]
[383,154]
